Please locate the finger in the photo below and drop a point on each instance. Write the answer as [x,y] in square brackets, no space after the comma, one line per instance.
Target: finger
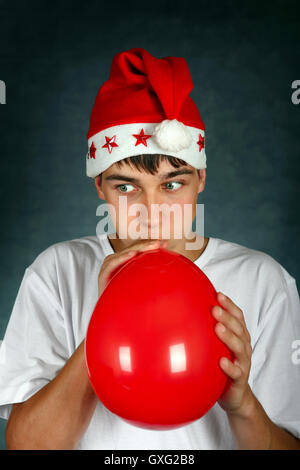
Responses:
[227,304]
[234,325]
[229,321]
[231,369]
[113,261]
[117,258]
[249,349]
[234,343]
[150,246]
[143,246]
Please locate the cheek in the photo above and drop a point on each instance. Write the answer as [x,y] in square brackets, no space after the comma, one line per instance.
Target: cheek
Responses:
[115,206]
[187,212]
[125,224]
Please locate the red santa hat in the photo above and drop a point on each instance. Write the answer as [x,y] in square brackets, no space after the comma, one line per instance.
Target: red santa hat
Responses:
[144,108]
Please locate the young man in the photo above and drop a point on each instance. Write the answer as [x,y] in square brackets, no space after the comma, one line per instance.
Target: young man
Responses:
[146,147]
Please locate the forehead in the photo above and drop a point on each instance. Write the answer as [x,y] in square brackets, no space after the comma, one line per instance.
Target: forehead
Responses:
[164,170]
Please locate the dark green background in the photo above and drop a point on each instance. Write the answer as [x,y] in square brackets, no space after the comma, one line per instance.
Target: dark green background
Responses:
[243,57]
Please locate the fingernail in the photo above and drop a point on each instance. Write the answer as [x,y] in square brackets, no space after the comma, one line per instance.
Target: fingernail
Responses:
[221,296]
[218,311]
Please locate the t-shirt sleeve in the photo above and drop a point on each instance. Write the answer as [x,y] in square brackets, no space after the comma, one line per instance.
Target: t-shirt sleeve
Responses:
[275,371]
[34,347]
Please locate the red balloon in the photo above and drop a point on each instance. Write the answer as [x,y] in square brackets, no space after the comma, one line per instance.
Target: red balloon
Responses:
[151,351]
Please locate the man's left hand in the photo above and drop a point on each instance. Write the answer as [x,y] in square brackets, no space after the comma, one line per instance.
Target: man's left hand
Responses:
[231,329]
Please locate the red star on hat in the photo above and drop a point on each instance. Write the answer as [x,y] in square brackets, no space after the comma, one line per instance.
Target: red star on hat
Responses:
[141,138]
[92,150]
[110,142]
[200,142]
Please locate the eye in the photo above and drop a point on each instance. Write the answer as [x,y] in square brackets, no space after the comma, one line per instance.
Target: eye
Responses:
[121,187]
[173,183]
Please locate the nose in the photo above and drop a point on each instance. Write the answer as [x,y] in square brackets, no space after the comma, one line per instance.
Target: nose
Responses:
[152,217]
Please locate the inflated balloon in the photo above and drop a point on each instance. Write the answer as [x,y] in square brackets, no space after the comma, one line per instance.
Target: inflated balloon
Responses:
[151,350]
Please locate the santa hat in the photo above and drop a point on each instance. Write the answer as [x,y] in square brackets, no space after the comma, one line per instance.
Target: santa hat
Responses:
[144,108]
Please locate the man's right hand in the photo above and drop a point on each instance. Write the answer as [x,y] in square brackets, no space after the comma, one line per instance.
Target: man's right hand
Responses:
[111,262]
[68,394]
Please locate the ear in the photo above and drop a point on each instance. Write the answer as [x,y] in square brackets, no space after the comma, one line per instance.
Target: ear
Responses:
[202,180]
[98,188]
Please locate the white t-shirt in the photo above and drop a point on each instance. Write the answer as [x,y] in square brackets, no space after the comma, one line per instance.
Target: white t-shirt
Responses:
[56,299]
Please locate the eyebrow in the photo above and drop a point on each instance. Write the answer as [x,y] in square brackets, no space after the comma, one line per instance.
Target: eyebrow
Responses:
[170,174]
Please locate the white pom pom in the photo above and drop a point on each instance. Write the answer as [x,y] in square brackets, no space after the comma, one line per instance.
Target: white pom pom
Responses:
[172,135]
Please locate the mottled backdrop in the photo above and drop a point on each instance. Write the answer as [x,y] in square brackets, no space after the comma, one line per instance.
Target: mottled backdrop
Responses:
[243,57]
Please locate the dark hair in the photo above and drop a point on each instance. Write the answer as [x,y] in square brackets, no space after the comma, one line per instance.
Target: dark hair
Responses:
[150,165]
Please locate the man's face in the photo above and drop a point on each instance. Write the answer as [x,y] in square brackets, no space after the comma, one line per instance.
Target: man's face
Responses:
[151,206]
